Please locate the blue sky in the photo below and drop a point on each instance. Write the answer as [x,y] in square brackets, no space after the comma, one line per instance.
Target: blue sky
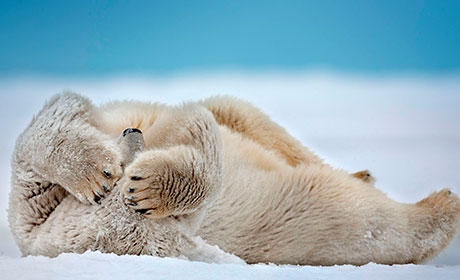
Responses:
[107,37]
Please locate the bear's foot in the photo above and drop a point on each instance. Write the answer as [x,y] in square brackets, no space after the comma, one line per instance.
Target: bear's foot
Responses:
[436,221]
[443,201]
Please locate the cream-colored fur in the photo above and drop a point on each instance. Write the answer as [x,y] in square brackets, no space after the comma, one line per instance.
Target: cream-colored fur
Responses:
[215,172]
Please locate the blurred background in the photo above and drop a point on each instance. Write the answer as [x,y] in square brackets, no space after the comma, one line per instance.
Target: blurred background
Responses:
[365,84]
[89,38]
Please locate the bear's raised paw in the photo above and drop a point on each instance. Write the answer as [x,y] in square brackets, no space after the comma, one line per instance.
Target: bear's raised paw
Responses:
[444,200]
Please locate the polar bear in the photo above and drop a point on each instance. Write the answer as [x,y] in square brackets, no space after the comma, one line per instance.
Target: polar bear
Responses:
[175,181]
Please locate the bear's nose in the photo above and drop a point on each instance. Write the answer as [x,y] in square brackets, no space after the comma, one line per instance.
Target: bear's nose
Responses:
[131,130]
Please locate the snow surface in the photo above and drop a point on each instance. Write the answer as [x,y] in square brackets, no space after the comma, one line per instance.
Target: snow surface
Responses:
[404,128]
[94,265]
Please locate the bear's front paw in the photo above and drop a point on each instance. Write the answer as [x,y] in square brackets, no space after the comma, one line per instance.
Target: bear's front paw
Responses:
[161,183]
[92,172]
[145,184]
[144,198]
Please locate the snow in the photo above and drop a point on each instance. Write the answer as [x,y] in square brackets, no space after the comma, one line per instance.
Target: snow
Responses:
[404,128]
[95,265]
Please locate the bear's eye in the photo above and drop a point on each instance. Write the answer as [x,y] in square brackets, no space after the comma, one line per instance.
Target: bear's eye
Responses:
[107,174]
[136,178]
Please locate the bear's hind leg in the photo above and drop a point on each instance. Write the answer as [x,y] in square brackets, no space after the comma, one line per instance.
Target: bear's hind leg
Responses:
[435,220]
[32,201]
[247,120]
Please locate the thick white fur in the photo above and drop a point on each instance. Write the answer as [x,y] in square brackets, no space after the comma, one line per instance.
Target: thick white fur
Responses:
[218,169]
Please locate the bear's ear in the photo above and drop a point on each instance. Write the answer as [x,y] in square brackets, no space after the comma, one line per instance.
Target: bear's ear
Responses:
[131,141]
